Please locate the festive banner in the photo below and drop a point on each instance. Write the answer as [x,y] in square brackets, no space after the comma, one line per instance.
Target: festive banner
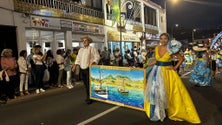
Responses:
[115,6]
[214,44]
[121,86]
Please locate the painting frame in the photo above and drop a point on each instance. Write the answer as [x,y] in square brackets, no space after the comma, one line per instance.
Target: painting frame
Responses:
[122,86]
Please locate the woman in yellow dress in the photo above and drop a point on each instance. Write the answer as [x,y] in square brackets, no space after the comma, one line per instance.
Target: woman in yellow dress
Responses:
[166,94]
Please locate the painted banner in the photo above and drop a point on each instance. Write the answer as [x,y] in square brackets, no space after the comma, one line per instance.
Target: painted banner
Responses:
[45,22]
[121,86]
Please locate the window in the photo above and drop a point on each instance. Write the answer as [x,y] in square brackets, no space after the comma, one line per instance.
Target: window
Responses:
[150,16]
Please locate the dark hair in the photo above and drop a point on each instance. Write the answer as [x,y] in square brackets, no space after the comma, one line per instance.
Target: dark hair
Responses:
[59,51]
[22,53]
[37,46]
[49,54]
[75,49]
[165,34]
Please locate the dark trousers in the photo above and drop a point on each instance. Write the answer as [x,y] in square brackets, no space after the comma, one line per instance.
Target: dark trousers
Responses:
[39,73]
[2,90]
[213,65]
[7,89]
[85,78]
[53,73]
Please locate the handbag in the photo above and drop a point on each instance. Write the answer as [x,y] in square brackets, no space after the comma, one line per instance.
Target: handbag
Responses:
[46,76]
[3,74]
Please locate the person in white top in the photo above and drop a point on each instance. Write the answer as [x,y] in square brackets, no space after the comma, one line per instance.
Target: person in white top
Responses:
[60,61]
[39,68]
[68,69]
[86,56]
[24,69]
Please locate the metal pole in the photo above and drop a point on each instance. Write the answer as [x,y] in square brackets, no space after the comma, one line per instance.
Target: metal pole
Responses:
[120,30]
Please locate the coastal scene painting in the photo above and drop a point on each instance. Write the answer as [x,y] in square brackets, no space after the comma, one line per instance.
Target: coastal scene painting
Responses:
[121,86]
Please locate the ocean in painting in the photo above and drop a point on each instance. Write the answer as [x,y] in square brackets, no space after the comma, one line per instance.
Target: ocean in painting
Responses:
[134,98]
[125,86]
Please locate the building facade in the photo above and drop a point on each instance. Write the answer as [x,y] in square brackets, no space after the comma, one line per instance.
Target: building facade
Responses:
[59,24]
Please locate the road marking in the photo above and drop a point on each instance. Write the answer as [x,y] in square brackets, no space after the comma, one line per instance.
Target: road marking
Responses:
[98,115]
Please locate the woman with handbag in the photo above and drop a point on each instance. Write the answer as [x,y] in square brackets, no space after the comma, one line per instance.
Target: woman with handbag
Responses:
[8,64]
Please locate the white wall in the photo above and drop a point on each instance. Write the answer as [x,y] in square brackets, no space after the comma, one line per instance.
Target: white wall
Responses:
[162,22]
[6,17]
[21,21]
[7,4]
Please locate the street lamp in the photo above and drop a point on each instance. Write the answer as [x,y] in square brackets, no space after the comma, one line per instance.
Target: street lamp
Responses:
[174,1]
[175,25]
[193,31]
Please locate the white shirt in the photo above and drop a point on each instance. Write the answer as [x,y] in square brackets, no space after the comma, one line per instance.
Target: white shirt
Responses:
[23,64]
[37,62]
[86,56]
[60,61]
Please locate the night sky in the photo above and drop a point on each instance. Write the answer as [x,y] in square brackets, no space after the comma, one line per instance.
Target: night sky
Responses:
[194,13]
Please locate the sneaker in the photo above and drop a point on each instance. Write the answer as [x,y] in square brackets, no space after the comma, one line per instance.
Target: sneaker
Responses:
[42,90]
[60,86]
[69,87]
[37,91]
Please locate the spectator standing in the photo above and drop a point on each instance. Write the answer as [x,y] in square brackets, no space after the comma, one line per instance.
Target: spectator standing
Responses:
[52,68]
[86,56]
[24,70]
[140,60]
[105,56]
[8,63]
[3,99]
[39,69]
[68,68]
[129,58]
[32,73]
[112,58]
[118,57]
[60,61]
[74,55]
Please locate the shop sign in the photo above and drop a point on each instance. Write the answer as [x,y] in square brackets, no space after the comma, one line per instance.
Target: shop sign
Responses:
[65,24]
[129,38]
[44,22]
[115,36]
[78,27]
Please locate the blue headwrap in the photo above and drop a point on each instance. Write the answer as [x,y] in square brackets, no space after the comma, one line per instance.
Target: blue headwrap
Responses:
[173,46]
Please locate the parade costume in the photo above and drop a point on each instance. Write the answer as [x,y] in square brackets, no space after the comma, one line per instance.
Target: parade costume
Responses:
[201,73]
[165,93]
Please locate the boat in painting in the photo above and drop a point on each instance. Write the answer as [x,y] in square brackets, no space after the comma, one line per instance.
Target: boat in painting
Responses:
[100,90]
[122,89]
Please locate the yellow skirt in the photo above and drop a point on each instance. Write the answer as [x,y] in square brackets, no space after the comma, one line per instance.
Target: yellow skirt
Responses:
[180,105]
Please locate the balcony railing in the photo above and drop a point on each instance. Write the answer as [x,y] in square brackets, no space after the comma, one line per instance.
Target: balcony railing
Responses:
[151,27]
[67,9]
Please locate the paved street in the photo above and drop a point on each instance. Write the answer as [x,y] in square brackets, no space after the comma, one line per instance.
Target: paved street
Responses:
[61,106]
